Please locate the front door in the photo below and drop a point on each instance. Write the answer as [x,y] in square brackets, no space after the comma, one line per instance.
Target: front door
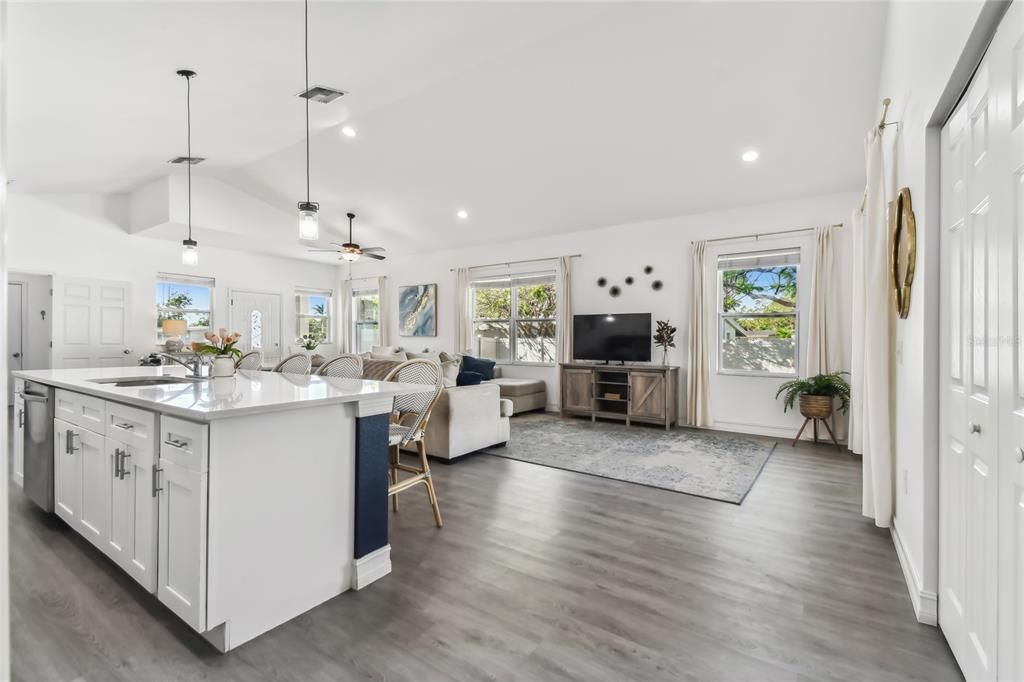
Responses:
[91,323]
[256,316]
[15,312]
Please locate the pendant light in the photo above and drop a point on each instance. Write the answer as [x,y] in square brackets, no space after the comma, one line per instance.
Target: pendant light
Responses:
[189,247]
[309,222]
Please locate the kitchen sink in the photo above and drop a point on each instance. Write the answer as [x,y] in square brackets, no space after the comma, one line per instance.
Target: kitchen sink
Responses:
[134,382]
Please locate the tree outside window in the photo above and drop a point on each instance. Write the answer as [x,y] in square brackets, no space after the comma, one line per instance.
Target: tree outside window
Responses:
[184,300]
[514,319]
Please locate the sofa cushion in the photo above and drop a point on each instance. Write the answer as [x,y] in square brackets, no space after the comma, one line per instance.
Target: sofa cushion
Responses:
[426,355]
[449,374]
[400,357]
[376,370]
[468,378]
[507,409]
[484,368]
[519,387]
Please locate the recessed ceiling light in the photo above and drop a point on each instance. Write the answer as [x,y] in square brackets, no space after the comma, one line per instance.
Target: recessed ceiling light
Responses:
[462,214]
[348,131]
[750,155]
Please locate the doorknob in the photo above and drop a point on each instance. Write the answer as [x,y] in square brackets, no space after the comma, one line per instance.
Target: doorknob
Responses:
[974,428]
[127,351]
[1020,455]
[16,355]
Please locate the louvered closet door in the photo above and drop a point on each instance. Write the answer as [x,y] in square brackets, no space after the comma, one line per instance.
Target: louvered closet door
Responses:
[968,466]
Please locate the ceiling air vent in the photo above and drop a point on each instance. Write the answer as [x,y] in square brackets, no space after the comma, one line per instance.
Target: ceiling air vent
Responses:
[191,160]
[322,94]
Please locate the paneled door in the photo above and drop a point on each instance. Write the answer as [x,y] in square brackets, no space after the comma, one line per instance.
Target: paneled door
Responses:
[256,316]
[15,319]
[91,323]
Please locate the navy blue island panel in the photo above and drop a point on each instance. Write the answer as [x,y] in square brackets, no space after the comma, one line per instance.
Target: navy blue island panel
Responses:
[371,484]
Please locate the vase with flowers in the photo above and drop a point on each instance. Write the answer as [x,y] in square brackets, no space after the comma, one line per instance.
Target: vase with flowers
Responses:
[665,338]
[222,347]
[309,342]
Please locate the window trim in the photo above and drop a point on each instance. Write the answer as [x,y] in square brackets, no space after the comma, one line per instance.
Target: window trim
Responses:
[193,280]
[513,320]
[356,321]
[329,315]
[722,316]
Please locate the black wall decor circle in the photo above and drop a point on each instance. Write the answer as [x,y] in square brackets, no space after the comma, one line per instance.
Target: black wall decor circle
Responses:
[656,285]
[601,281]
[648,269]
[615,291]
[629,280]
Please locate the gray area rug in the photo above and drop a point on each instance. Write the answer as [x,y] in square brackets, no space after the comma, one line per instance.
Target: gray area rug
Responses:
[717,466]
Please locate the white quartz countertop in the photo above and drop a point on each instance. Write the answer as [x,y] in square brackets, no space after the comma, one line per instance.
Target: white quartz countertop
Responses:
[248,392]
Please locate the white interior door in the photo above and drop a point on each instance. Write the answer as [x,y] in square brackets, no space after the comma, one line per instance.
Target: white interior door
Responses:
[257,317]
[15,333]
[91,323]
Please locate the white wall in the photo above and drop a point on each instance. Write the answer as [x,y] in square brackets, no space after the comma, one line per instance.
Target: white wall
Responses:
[82,236]
[743,403]
[925,42]
[37,318]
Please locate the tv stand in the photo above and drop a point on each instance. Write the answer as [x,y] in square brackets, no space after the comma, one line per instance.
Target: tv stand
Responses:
[631,393]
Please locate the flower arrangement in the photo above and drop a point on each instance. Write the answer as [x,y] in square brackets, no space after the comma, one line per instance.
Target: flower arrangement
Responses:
[309,341]
[665,338]
[221,344]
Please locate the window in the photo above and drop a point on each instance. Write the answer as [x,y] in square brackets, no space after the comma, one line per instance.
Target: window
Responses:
[313,314]
[758,317]
[365,319]
[182,297]
[514,318]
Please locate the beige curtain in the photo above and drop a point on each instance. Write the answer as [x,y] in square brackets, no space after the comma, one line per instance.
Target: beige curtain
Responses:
[346,342]
[383,311]
[563,296]
[698,376]
[823,344]
[460,310]
[870,425]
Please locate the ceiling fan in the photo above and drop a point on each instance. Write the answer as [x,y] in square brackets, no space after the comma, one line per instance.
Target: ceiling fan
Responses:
[351,251]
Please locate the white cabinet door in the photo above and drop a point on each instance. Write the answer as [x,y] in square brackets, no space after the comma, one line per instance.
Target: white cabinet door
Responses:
[97,486]
[67,473]
[18,455]
[133,511]
[182,547]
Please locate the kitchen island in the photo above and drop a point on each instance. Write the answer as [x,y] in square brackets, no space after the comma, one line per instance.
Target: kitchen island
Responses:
[239,502]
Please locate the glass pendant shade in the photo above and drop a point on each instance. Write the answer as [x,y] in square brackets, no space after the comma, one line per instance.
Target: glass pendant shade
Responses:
[309,221]
[189,252]
[350,256]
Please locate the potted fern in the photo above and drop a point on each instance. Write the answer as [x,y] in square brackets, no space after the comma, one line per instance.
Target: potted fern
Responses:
[817,396]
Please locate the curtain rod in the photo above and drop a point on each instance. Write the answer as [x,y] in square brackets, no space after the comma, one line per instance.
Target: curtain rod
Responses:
[516,262]
[758,235]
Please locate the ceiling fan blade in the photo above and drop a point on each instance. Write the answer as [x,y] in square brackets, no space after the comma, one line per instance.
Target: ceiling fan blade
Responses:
[370,249]
[336,243]
[322,250]
[375,256]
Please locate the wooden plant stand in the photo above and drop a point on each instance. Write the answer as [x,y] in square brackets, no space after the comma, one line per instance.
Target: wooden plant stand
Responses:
[816,408]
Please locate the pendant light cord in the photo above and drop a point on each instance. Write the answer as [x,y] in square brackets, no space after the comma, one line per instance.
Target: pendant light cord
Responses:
[188,146]
[307,97]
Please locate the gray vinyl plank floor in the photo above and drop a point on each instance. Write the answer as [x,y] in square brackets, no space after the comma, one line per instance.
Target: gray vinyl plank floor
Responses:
[538,574]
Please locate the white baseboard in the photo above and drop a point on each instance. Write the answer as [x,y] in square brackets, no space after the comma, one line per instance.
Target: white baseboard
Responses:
[371,567]
[926,603]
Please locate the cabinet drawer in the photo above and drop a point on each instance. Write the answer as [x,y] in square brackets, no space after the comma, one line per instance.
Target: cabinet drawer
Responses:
[131,426]
[184,443]
[81,410]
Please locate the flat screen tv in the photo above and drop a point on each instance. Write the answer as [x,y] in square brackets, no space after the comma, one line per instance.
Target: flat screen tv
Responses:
[612,338]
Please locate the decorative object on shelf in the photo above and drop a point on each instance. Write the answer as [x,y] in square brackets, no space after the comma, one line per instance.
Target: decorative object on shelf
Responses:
[648,269]
[817,396]
[602,281]
[657,285]
[173,330]
[629,280]
[614,291]
[309,342]
[350,251]
[903,227]
[222,347]
[417,310]
[189,246]
[309,221]
[665,338]
[612,396]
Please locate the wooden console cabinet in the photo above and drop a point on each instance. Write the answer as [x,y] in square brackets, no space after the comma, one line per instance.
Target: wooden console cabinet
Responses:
[641,393]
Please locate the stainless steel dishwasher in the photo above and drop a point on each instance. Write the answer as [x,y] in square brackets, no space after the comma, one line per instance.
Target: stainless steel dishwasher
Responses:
[39,404]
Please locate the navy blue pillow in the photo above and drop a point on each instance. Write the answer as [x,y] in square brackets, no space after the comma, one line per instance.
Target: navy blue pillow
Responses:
[484,368]
[468,379]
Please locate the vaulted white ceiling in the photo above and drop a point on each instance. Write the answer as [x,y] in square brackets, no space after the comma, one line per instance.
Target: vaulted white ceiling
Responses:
[534,117]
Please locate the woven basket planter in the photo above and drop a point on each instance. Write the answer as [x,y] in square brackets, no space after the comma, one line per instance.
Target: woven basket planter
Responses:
[816,406]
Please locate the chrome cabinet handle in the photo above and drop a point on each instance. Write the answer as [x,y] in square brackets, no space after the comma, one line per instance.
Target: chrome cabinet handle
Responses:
[156,475]
[124,470]
[125,427]
[1020,455]
[117,462]
[974,428]
[180,444]
[71,442]
[21,419]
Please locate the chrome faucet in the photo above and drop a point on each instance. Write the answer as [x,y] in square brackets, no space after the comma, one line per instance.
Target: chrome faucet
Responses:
[197,368]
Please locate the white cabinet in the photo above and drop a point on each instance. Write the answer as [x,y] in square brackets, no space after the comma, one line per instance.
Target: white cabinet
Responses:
[18,454]
[93,520]
[131,541]
[182,487]
[67,473]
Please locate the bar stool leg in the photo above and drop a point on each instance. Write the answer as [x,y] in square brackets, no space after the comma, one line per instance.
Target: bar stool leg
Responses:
[425,466]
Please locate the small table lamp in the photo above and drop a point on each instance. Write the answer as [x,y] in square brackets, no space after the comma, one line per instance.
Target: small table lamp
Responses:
[173,331]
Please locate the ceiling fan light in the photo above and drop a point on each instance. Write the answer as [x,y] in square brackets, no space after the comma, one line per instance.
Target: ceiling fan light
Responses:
[350,256]
[309,221]
[189,252]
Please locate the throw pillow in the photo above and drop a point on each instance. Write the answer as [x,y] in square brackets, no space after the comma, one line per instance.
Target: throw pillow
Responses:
[484,368]
[401,357]
[385,350]
[436,357]
[376,370]
[449,374]
[468,378]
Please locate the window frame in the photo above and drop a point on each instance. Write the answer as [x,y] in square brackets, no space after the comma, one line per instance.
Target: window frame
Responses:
[186,280]
[327,316]
[723,316]
[357,322]
[514,320]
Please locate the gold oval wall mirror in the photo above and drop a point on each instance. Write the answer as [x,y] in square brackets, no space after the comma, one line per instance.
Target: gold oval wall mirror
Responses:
[903,228]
